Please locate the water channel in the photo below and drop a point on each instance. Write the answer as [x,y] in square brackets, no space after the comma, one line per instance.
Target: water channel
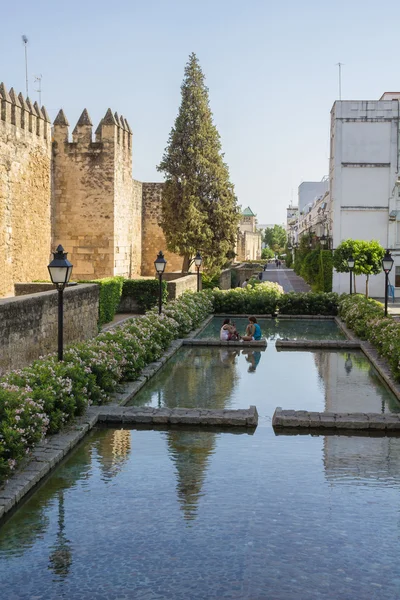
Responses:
[198,514]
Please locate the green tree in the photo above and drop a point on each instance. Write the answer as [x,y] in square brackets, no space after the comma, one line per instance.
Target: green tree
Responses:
[199,207]
[275,237]
[367,256]
[267,253]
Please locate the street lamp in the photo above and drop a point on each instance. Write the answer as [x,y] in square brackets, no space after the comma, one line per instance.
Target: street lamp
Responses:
[160,264]
[323,240]
[197,261]
[60,270]
[350,264]
[387,264]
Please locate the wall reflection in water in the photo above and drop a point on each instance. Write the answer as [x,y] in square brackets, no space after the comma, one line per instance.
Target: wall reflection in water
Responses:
[362,460]
[352,384]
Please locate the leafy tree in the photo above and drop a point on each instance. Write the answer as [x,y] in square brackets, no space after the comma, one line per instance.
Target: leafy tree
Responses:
[367,256]
[199,207]
[275,237]
[267,253]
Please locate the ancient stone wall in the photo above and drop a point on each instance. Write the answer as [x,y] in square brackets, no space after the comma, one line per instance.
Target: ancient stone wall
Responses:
[153,238]
[29,324]
[177,287]
[25,154]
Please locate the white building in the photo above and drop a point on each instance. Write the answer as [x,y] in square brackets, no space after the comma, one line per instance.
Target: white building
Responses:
[364,180]
[310,190]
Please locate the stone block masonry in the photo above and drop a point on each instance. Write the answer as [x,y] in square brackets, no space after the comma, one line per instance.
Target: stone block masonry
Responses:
[96,204]
[77,193]
[303,419]
[29,324]
[25,167]
[152,234]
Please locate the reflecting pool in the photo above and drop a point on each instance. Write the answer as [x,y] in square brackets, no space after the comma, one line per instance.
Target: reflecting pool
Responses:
[210,377]
[196,515]
[273,329]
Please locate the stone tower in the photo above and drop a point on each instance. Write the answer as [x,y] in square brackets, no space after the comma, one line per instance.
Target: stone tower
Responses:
[96,206]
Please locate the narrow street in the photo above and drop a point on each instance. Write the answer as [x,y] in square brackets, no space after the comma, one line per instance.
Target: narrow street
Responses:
[287,278]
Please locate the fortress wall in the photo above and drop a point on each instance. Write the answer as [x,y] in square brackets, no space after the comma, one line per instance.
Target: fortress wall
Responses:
[83,196]
[25,155]
[153,238]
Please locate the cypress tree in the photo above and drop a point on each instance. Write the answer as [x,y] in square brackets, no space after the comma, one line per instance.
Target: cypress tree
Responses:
[199,207]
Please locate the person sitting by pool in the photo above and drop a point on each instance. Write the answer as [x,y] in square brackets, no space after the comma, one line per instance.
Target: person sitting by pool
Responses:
[228,332]
[253,331]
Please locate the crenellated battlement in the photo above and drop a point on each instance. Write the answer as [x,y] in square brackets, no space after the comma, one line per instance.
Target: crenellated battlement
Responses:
[113,130]
[21,114]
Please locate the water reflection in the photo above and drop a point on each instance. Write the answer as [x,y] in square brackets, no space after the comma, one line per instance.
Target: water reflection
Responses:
[253,357]
[190,452]
[352,384]
[60,559]
[193,378]
[113,448]
[361,460]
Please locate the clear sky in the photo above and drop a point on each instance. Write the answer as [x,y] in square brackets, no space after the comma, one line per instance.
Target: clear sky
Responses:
[270,68]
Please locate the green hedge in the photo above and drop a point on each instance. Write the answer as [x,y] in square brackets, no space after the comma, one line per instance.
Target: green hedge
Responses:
[325,273]
[258,299]
[145,292]
[109,297]
[308,303]
[210,282]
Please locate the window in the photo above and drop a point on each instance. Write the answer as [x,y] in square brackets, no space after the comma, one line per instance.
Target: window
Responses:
[397,277]
[398,232]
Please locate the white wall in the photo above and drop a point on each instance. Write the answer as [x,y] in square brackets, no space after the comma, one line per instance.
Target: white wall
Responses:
[310,190]
[363,172]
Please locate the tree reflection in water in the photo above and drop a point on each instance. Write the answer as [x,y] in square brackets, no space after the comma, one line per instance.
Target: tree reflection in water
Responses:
[60,558]
[205,379]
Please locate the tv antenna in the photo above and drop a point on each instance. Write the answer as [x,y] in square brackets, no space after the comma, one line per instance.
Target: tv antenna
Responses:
[25,42]
[38,80]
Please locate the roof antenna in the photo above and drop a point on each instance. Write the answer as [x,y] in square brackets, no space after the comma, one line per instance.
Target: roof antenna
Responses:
[25,42]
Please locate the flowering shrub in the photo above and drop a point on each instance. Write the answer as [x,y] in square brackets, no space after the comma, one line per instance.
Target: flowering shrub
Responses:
[258,299]
[43,397]
[309,303]
[367,319]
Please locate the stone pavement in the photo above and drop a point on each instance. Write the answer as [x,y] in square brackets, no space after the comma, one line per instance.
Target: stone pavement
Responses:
[287,278]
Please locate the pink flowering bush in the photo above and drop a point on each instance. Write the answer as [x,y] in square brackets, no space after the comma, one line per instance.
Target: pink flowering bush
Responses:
[43,397]
[23,423]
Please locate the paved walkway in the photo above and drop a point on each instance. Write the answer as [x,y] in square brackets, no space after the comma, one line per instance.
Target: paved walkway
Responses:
[287,278]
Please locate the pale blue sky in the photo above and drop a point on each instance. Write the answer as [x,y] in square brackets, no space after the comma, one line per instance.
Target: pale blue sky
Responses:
[270,68]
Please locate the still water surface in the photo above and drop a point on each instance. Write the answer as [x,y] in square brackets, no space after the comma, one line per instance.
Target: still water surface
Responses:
[237,377]
[273,329]
[188,514]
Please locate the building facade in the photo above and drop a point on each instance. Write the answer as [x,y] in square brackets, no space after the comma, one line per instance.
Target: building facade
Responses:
[364,180]
[249,238]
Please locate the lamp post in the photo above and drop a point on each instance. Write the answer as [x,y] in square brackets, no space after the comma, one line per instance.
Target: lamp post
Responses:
[160,264]
[197,261]
[60,270]
[350,264]
[387,264]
